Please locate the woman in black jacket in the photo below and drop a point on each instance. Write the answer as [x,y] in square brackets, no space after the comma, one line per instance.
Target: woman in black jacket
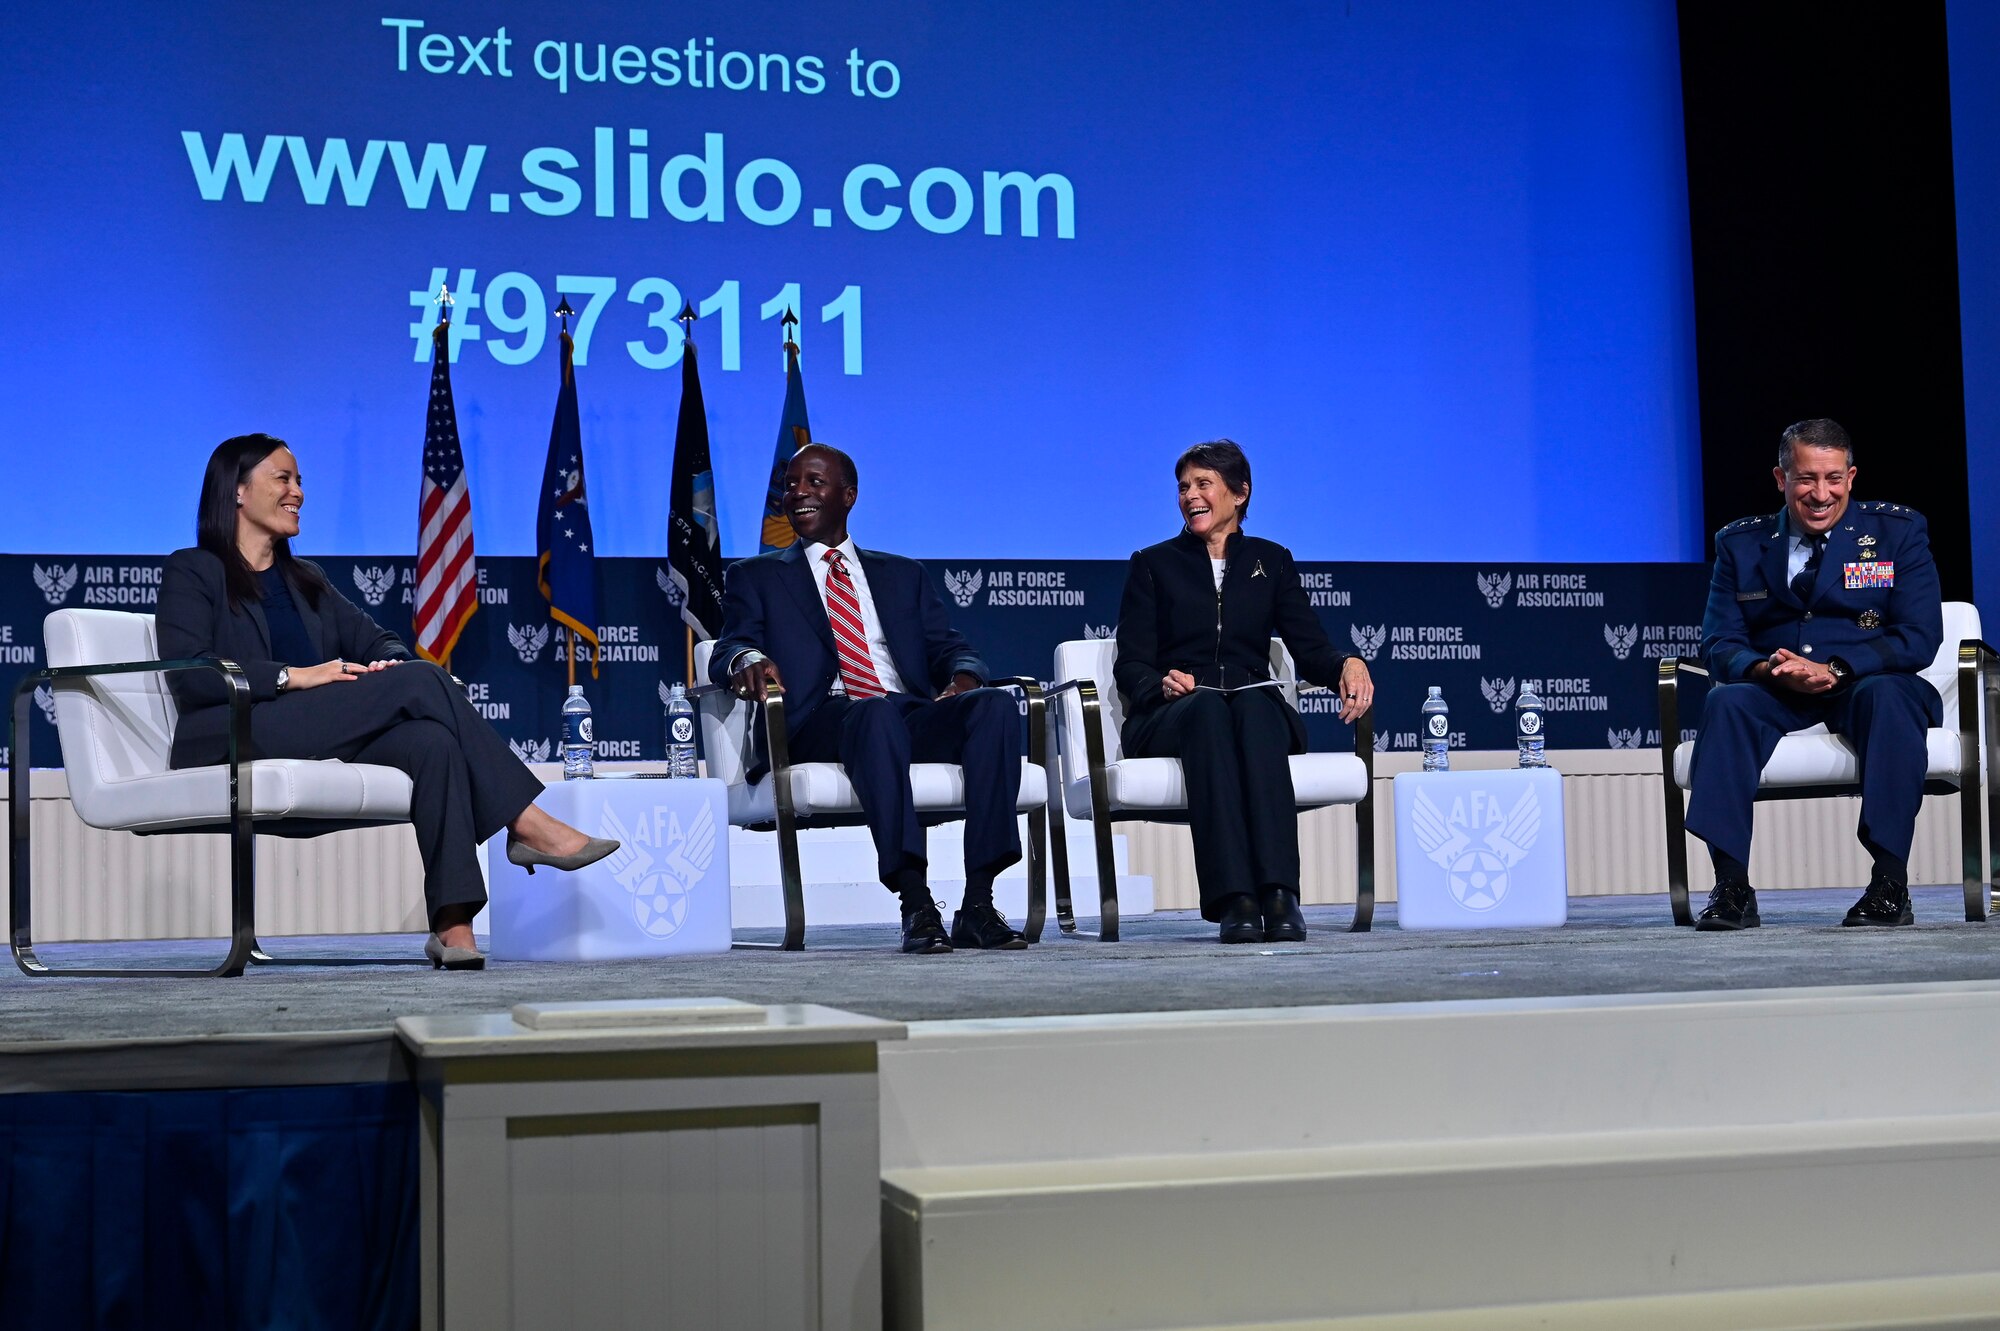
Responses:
[326,681]
[1194,642]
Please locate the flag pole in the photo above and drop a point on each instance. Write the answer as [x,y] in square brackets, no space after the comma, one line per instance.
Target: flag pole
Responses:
[563,311]
[686,319]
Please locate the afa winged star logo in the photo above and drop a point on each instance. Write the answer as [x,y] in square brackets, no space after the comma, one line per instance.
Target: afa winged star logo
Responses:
[964,586]
[55,582]
[46,701]
[1494,587]
[1624,739]
[670,589]
[660,864]
[1620,640]
[532,750]
[1368,641]
[1476,871]
[528,641]
[374,583]
[1096,631]
[1499,692]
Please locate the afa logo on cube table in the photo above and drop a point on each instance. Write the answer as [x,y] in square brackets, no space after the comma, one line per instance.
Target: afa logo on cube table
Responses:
[660,862]
[1476,844]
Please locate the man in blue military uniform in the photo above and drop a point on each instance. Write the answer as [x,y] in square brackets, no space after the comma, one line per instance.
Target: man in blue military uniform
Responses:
[1822,612]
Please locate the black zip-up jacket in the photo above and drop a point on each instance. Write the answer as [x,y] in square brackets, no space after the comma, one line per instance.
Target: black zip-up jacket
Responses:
[1173,617]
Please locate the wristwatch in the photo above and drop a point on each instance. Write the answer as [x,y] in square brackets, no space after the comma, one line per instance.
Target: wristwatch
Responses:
[1838,669]
[284,677]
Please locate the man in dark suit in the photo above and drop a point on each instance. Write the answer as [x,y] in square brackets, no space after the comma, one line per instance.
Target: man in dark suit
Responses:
[1822,612]
[876,679]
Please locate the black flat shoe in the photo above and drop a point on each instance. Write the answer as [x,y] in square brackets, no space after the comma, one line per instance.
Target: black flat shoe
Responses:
[1284,922]
[1241,921]
[923,931]
[984,927]
[1730,906]
[1884,905]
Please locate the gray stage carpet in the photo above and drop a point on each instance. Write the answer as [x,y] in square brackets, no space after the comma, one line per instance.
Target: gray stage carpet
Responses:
[1167,962]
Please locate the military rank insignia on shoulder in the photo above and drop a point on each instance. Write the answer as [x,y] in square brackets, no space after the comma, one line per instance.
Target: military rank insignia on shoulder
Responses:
[1884,507]
[1762,521]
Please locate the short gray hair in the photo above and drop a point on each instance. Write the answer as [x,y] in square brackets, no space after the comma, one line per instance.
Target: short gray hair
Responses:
[1818,433]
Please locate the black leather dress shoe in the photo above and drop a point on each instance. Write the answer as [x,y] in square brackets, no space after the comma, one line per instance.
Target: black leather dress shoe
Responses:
[1241,921]
[983,926]
[1730,906]
[1284,922]
[1884,904]
[923,931]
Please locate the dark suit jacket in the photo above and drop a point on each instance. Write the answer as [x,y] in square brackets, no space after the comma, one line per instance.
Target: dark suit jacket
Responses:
[194,619]
[771,603]
[1172,617]
[1752,611]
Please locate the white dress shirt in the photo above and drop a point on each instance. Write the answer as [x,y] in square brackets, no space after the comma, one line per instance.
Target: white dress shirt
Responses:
[871,623]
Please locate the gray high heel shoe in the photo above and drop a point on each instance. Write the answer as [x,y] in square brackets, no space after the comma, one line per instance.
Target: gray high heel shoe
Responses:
[445,958]
[521,853]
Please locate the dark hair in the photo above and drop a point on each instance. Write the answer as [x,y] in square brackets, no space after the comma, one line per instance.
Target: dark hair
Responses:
[846,462]
[1225,459]
[215,522]
[1820,433]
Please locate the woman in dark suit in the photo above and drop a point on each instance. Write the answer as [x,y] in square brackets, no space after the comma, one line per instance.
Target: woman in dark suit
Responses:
[326,681]
[1194,629]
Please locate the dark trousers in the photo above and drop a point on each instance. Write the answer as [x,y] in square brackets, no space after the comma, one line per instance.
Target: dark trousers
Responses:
[1233,749]
[466,784]
[1885,717]
[877,739]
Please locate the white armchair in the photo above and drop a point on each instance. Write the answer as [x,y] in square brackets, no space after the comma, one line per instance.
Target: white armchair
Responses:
[793,795]
[1098,782]
[116,720]
[1812,763]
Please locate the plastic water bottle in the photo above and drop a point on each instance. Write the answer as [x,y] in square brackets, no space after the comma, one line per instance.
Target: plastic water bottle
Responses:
[577,745]
[1528,729]
[1437,732]
[680,733]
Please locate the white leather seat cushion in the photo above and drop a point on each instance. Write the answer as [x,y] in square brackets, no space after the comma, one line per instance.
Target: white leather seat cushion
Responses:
[1158,783]
[276,787]
[1812,757]
[823,788]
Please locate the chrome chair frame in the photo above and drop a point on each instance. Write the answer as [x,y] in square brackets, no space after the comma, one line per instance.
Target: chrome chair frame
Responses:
[1976,678]
[1101,819]
[787,822]
[244,948]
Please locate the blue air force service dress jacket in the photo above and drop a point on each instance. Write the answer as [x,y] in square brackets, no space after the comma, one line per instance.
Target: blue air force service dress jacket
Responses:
[1874,604]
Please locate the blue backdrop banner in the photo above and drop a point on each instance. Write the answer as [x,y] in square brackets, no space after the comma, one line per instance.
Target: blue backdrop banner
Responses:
[1587,637]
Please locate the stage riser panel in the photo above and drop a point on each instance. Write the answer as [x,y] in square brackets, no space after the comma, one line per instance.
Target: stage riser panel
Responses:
[1449,1156]
[92,884]
[1365,1242]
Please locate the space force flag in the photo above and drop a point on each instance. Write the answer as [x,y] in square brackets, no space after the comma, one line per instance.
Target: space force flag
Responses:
[566,569]
[793,434]
[694,549]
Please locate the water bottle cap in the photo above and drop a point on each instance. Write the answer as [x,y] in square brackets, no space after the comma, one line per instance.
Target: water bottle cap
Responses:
[678,691]
[1437,691]
[576,690]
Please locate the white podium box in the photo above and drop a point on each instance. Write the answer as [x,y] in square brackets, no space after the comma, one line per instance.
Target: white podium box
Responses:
[664,892]
[650,1163]
[1481,850]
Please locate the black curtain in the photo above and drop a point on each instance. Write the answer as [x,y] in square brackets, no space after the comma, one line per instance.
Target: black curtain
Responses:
[1825,250]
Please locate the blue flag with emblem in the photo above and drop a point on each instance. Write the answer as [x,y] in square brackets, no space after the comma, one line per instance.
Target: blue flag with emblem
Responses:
[566,569]
[793,434]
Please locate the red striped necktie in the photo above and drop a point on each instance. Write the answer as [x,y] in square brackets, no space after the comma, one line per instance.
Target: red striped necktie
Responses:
[850,639]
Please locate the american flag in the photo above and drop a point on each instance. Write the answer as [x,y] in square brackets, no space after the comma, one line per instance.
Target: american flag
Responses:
[446,578]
